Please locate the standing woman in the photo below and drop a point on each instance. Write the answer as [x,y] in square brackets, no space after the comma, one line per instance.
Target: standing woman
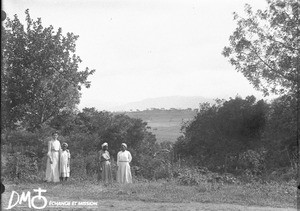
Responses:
[52,169]
[105,167]
[123,160]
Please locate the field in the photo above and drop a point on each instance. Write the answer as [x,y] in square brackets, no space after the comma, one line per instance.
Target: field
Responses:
[165,124]
[161,195]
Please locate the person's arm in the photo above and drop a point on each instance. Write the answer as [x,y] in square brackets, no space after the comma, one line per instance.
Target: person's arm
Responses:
[108,156]
[49,151]
[59,154]
[69,158]
[129,157]
[99,160]
[118,158]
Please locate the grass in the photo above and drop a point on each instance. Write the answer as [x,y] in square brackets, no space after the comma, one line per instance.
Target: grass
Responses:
[274,194]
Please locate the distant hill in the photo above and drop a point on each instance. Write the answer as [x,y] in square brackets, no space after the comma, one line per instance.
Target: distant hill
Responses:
[178,102]
[165,124]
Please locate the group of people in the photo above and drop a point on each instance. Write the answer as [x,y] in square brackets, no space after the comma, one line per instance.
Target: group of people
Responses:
[58,163]
[123,160]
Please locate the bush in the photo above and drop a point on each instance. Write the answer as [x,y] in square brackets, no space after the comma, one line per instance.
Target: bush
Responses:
[91,164]
[197,176]
[22,141]
[155,168]
[163,171]
[78,167]
[282,174]
[21,167]
[252,162]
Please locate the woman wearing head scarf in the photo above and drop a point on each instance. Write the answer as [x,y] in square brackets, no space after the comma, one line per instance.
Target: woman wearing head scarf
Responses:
[65,157]
[52,169]
[123,160]
[105,167]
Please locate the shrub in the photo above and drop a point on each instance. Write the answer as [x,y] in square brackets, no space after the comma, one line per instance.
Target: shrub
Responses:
[21,167]
[22,141]
[91,164]
[252,162]
[197,176]
[155,168]
[78,167]
[163,171]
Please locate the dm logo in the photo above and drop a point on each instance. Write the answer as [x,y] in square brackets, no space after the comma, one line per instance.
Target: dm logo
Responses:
[16,199]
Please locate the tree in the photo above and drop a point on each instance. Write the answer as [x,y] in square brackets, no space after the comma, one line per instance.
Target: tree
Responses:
[281,132]
[223,129]
[40,75]
[265,47]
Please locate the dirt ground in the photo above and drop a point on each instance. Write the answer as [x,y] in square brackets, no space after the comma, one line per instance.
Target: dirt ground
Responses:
[123,205]
[139,205]
[107,205]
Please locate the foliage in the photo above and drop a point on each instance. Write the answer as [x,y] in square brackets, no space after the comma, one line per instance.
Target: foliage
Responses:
[22,141]
[155,168]
[222,130]
[21,167]
[78,168]
[252,161]
[40,76]
[243,137]
[280,134]
[201,175]
[233,136]
[265,47]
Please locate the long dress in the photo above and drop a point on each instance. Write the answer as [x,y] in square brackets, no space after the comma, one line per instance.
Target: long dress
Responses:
[52,170]
[105,166]
[64,163]
[124,172]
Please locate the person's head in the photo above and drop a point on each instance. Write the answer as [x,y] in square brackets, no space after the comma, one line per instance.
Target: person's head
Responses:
[55,135]
[104,146]
[64,146]
[123,147]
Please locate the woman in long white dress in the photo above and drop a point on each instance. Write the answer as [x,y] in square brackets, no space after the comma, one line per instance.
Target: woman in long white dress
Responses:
[52,169]
[123,160]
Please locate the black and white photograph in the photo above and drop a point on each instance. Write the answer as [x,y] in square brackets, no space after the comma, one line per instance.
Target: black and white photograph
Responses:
[150,105]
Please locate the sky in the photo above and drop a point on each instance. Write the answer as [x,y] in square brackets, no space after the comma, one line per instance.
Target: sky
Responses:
[147,48]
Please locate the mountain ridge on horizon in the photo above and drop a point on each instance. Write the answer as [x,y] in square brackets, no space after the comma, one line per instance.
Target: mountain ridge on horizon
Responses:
[167,102]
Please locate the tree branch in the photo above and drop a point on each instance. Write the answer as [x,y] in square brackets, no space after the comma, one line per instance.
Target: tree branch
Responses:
[291,48]
[63,75]
[266,64]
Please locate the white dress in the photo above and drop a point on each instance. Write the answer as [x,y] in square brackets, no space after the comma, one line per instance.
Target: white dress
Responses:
[52,170]
[124,172]
[64,163]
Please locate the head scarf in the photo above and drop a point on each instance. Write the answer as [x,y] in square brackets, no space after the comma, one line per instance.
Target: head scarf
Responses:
[104,144]
[123,144]
[65,144]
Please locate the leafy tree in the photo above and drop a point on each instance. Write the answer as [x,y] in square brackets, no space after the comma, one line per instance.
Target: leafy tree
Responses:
[223,129]
[265,47]
[280,134]
[40,76]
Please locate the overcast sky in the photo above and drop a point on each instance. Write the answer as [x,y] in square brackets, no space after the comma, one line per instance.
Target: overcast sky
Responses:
[148,48]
